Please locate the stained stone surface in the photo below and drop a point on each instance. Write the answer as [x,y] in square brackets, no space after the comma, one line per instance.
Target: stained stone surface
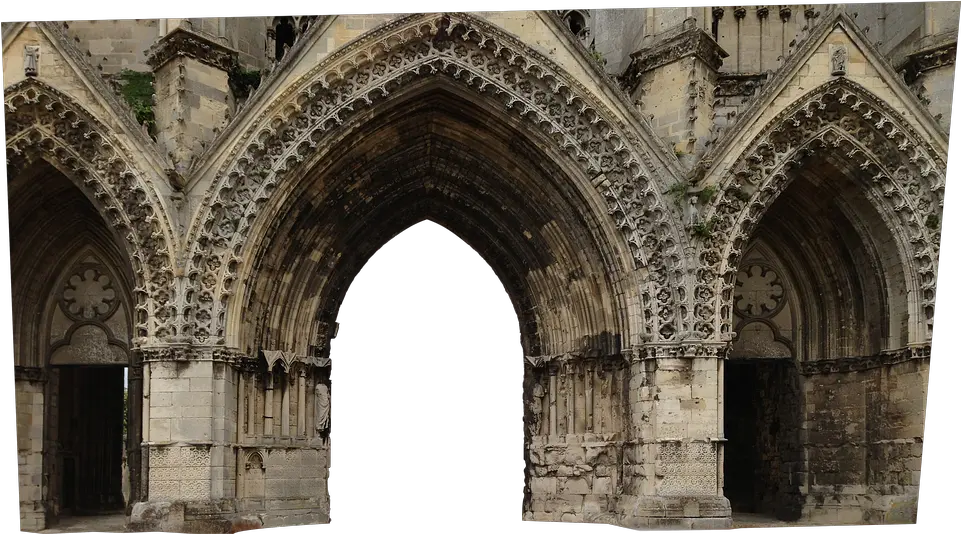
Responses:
[719,227]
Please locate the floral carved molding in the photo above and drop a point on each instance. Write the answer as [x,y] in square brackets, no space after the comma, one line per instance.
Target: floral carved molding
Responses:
[305,121]
[902,175]
[44,124]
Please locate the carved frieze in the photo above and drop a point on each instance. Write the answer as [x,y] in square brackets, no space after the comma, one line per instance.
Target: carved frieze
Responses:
[185,43]
[687,467]
[853,365]
[729,85]
[902,173]
[29,374]
[481,58]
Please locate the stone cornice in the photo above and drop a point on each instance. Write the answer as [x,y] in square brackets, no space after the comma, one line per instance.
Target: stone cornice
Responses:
[689,40]
[853,365]
[928,59]
[185,43]
[691,350]
[29,374]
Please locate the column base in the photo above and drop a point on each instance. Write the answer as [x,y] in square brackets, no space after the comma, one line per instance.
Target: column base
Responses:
[675,512]
[208,517]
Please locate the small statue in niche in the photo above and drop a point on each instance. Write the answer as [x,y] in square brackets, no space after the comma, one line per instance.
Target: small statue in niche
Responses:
[31,58]
[839,59]
[322,408]
[537,409]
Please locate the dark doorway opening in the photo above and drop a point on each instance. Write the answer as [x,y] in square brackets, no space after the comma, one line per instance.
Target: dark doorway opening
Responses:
[90,433]
[762,425]
[427,387]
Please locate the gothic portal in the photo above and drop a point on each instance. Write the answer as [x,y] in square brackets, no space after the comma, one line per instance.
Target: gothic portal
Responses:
[719,229]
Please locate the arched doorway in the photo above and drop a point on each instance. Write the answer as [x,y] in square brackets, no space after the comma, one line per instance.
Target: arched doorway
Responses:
[820,283]
[426,374]
[74,323]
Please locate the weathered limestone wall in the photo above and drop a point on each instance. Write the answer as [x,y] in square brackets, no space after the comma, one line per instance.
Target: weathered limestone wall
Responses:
[248,36]
[672,463]
[863,440]
[115,45]
[576,448]
[615,34]
[30,421]
[192,94]
[287,485]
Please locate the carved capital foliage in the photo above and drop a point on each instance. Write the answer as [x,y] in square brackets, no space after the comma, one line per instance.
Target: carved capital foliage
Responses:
[44,124]
[690,42]
[311,115]
[185,43]
[853,365]
[29,374]
[701,349]
[902,174]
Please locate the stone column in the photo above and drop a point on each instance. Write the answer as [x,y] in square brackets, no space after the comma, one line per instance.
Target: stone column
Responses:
[673,79]
[29,390]
[189,437]
[674,460]
[269,405]
[193,97]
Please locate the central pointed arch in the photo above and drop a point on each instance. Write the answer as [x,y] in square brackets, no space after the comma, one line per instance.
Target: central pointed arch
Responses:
[429,157]
[551,113]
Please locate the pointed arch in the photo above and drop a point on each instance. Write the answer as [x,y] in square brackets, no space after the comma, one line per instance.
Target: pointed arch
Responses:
[302,125]
[44,124]
[899,173]
[492,190]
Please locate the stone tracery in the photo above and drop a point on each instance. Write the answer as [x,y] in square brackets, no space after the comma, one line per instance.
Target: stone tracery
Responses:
[42,123]
[843,118]
[471,53]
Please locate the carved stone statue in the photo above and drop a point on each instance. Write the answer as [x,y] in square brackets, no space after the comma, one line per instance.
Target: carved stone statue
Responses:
[322,407]
[839,58]
[537,409]
[31,58]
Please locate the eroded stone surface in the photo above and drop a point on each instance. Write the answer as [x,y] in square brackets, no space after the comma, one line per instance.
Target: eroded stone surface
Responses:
[719,227]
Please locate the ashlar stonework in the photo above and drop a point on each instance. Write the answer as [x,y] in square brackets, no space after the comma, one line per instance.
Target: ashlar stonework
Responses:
[719,228]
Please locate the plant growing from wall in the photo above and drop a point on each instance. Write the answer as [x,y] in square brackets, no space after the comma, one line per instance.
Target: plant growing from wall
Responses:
[704,229]
[705,195]
[243,81]
[137,90]
[677,192]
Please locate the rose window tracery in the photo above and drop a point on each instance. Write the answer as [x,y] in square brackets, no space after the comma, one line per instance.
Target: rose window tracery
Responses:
[759,291]
[89,294]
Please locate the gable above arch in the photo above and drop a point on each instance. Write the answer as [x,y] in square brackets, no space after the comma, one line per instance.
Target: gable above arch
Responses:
[43,51]
[836,50]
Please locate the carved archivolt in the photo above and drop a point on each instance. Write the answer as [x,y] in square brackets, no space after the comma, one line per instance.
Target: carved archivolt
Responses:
[902,174]
[43,123]
[304,121]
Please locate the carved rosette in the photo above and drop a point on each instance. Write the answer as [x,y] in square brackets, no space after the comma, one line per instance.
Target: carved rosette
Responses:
[307,120]
[903,175]
[43,123]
